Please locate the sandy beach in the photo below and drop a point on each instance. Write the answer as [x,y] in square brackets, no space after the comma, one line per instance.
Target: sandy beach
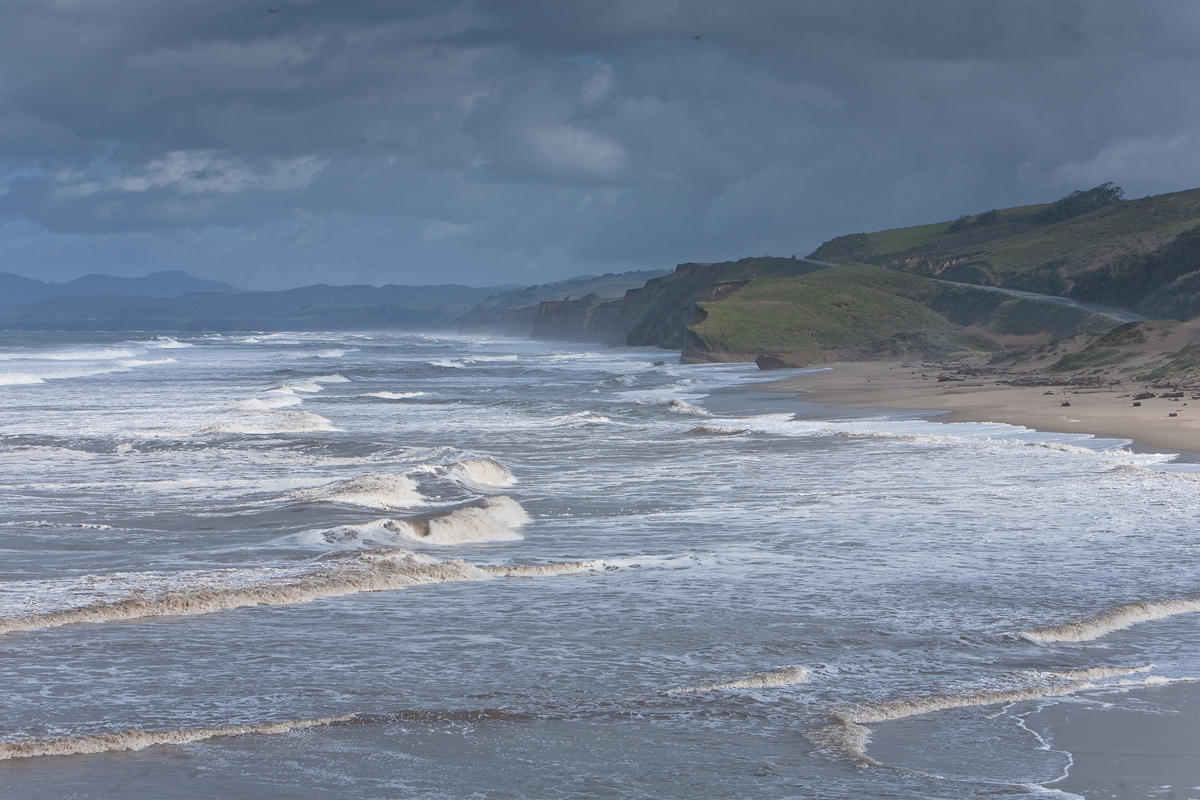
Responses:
[1168,423]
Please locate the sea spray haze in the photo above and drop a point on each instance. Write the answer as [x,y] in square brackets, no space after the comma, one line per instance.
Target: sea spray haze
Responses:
[447,567]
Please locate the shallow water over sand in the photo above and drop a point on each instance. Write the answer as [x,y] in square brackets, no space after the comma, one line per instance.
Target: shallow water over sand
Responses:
[389,565]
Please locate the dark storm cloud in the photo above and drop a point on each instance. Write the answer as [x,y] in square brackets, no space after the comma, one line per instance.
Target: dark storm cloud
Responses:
[524,140]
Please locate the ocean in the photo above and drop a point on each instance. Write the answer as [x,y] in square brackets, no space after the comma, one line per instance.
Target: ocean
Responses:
[389,565]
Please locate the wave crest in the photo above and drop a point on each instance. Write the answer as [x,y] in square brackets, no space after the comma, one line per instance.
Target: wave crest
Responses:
[492,519]
[133,740]
[1119,618]
[769,679]
[371,571]
[483,473]
[369,491]
[272,422]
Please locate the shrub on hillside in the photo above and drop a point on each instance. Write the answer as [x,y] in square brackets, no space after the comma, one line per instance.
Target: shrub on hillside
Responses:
[1082,201]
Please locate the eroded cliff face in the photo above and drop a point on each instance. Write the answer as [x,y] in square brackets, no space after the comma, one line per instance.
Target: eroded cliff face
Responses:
[588,319]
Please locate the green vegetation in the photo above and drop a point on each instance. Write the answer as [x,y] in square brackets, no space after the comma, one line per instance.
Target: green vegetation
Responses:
[1081,202]
[804,317]
[1051,248]
[865,311]
[1181,364]
[1163,282]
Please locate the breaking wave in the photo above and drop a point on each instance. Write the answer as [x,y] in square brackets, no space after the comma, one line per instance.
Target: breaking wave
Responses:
[578,418]
[314,384]
[1119,618]
[850,735]
[482,473]
[770,679]
[369,491]
[674,405]
[169,343]
[87,354]
[393,395]
[273,422]
[716,430]
[133,740]
[493,519]
[270,401]
[31,378]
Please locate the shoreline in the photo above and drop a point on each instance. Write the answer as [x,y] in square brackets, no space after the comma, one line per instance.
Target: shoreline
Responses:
[1136,740]
[963,397]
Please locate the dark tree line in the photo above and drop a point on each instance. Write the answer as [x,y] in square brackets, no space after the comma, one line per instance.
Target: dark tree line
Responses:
[1081,201]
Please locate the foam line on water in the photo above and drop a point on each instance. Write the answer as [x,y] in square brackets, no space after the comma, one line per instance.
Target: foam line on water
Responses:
[133,740]
[1119,618]
[768,679]
[337,575]
[850,734]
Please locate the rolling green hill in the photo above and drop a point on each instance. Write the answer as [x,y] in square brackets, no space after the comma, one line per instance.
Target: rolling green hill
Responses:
[1124,253]
[864,311]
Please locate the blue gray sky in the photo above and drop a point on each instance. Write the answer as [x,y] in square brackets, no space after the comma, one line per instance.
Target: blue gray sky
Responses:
[291,142]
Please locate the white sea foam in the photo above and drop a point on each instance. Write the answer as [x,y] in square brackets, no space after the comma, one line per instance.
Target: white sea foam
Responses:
[1119,618]
[31,377]
[448,363]
[133,740]
[481,473]
[769,679]
[850,735]
[672,404]
[272,422]
[270,401]
[308,387]
[314,384]
[578,418]
[684,407]
[393,395]
[85,354]
[170,343]
[370,491]
[492,519]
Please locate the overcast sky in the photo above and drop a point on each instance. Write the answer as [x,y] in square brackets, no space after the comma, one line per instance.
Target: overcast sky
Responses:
[518,141]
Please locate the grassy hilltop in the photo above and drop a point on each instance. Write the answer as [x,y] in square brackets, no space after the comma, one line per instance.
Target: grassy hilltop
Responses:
[1092,245]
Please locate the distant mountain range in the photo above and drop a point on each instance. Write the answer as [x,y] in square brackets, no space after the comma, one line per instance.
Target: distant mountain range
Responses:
[166,301]
[15,289]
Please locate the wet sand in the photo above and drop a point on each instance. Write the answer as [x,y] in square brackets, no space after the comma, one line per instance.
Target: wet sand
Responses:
[1146,745]
[1105,412]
